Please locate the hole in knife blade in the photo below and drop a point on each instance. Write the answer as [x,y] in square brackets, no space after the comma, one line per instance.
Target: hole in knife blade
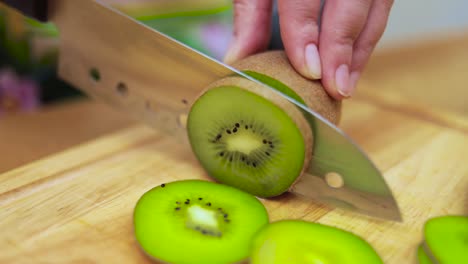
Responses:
[334,180]
[122,88]
[94,74]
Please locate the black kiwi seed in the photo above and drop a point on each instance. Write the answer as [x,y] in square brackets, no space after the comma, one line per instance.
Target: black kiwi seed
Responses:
[225,215]
[226,220]
[177,208]
[246,127]
[209,204]
[200,198]
[228,131]
[163,185]
[269,142]
[267,153]
[237,125]
[187,202]
[264,141]
[234,130]
[221,154]
[204,232]
[254,164]
[230,159]
[218,137]
[242,158]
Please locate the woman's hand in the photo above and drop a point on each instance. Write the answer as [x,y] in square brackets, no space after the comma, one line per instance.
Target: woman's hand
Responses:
[335,53]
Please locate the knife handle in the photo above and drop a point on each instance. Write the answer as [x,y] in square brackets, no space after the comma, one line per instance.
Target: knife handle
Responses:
[36,9]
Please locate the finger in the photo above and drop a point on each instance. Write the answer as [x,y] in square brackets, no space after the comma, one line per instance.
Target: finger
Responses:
[252,28]
[299,32]
[343,21]
[370,35]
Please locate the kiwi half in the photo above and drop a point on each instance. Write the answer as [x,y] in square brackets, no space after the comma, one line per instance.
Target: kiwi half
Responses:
[250,138]
[297,241]
[194,221]
[445,240]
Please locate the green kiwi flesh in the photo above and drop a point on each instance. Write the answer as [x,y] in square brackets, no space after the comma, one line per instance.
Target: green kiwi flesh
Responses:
[446,239]
[296,241]
[277,85]
[244,140]
[423,258]
[194,221]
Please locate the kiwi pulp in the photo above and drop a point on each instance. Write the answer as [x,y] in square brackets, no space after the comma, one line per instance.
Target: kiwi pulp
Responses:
[297,241]
[194,221]
[241,141]
[257,141]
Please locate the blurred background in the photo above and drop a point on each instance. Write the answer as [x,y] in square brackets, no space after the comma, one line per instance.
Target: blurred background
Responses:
[28,49]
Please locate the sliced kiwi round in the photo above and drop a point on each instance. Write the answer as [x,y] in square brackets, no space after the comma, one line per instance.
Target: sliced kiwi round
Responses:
[297,241]
[194,221]
[446,239]
[247,137]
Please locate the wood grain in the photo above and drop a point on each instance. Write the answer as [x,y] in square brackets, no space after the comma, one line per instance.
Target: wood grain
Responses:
[76,206]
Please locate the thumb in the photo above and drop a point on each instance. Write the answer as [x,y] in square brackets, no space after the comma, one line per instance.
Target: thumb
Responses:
[252,28]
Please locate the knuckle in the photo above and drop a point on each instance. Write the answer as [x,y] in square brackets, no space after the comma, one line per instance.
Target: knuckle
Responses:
[344,36]
[249,5]
[366,47]
[388,4]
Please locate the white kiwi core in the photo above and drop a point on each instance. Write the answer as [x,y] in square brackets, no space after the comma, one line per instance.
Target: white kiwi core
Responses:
[201,217]
[243,142]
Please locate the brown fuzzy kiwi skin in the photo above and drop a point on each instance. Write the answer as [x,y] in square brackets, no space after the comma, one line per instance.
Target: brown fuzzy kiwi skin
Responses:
[279,101]
[276,65]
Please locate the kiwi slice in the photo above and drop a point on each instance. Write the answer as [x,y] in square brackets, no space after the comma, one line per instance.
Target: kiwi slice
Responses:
[445,240]
[254,140]
[422,256]
[194,221]
[297,241]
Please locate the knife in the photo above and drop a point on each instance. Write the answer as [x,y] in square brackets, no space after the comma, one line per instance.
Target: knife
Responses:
[154,78]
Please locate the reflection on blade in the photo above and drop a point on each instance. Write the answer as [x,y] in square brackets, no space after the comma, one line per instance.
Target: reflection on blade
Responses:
[363,189]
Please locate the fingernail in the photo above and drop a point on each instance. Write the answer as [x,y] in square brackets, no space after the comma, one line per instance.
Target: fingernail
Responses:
[353,80]
[342,80]
[232,54]
[313,61]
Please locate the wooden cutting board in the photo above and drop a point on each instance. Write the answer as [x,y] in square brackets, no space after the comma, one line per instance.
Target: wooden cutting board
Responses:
[76,206]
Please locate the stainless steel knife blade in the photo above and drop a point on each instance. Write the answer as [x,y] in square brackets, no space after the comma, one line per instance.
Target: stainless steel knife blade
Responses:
[155,78]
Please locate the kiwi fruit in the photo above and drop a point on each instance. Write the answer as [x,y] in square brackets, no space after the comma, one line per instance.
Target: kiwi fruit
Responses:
[250,138]
[423,258]
[195,221]
[445,240]
[297,241]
